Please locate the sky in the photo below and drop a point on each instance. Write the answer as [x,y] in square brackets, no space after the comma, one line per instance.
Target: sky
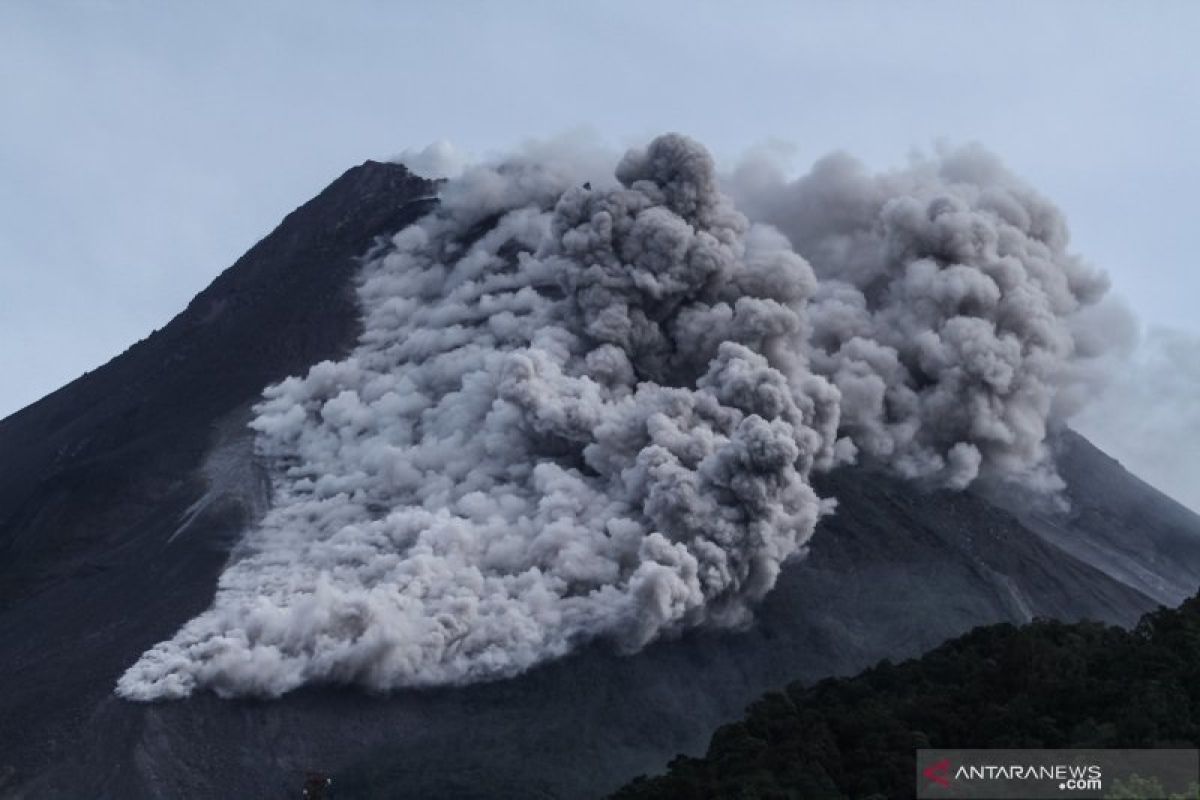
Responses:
[145,146]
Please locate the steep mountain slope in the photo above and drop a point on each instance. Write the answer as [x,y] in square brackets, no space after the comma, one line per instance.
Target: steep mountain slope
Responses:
[122,493]
[96,477]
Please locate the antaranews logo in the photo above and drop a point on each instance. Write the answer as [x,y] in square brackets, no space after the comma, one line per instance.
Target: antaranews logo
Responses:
[1069,776]
[1031,774]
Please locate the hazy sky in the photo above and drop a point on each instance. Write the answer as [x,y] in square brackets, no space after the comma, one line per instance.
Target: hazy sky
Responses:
[145,146]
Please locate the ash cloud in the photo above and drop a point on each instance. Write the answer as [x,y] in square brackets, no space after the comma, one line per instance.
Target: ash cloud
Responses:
[586,408]
[574,414]
[950,313]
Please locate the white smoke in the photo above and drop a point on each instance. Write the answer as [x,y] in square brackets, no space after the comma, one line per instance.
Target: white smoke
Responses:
[581,413]
[437,160]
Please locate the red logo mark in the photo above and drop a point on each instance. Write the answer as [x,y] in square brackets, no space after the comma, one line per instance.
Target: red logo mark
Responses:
[938,772]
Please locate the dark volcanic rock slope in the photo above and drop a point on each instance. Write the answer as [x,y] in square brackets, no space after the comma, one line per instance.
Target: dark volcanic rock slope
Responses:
[96,477]
[122,493]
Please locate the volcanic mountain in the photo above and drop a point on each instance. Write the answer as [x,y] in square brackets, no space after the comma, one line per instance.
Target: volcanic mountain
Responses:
[125,494]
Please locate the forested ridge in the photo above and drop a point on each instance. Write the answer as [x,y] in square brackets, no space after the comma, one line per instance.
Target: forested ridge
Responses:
[1045,684]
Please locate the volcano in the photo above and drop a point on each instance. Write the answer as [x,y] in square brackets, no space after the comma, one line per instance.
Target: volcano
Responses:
[125,494]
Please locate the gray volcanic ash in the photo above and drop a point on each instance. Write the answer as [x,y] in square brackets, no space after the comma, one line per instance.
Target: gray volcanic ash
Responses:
[582,413]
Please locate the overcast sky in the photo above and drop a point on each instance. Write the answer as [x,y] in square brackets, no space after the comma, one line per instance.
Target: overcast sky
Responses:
[144,146]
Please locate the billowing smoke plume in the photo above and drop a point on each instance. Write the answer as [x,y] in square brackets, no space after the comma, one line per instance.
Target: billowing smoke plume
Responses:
[574,414]
[948,313]
[582,414]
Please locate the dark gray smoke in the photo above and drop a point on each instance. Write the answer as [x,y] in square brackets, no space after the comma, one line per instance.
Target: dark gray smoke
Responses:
[583,413]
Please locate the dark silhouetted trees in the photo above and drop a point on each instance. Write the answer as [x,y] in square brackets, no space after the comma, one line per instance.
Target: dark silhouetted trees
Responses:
[1046,684]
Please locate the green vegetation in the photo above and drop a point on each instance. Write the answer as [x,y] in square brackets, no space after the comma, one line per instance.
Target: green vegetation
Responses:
[1046,684]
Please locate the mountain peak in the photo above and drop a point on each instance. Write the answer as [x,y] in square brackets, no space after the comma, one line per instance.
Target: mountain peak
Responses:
[282,306]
